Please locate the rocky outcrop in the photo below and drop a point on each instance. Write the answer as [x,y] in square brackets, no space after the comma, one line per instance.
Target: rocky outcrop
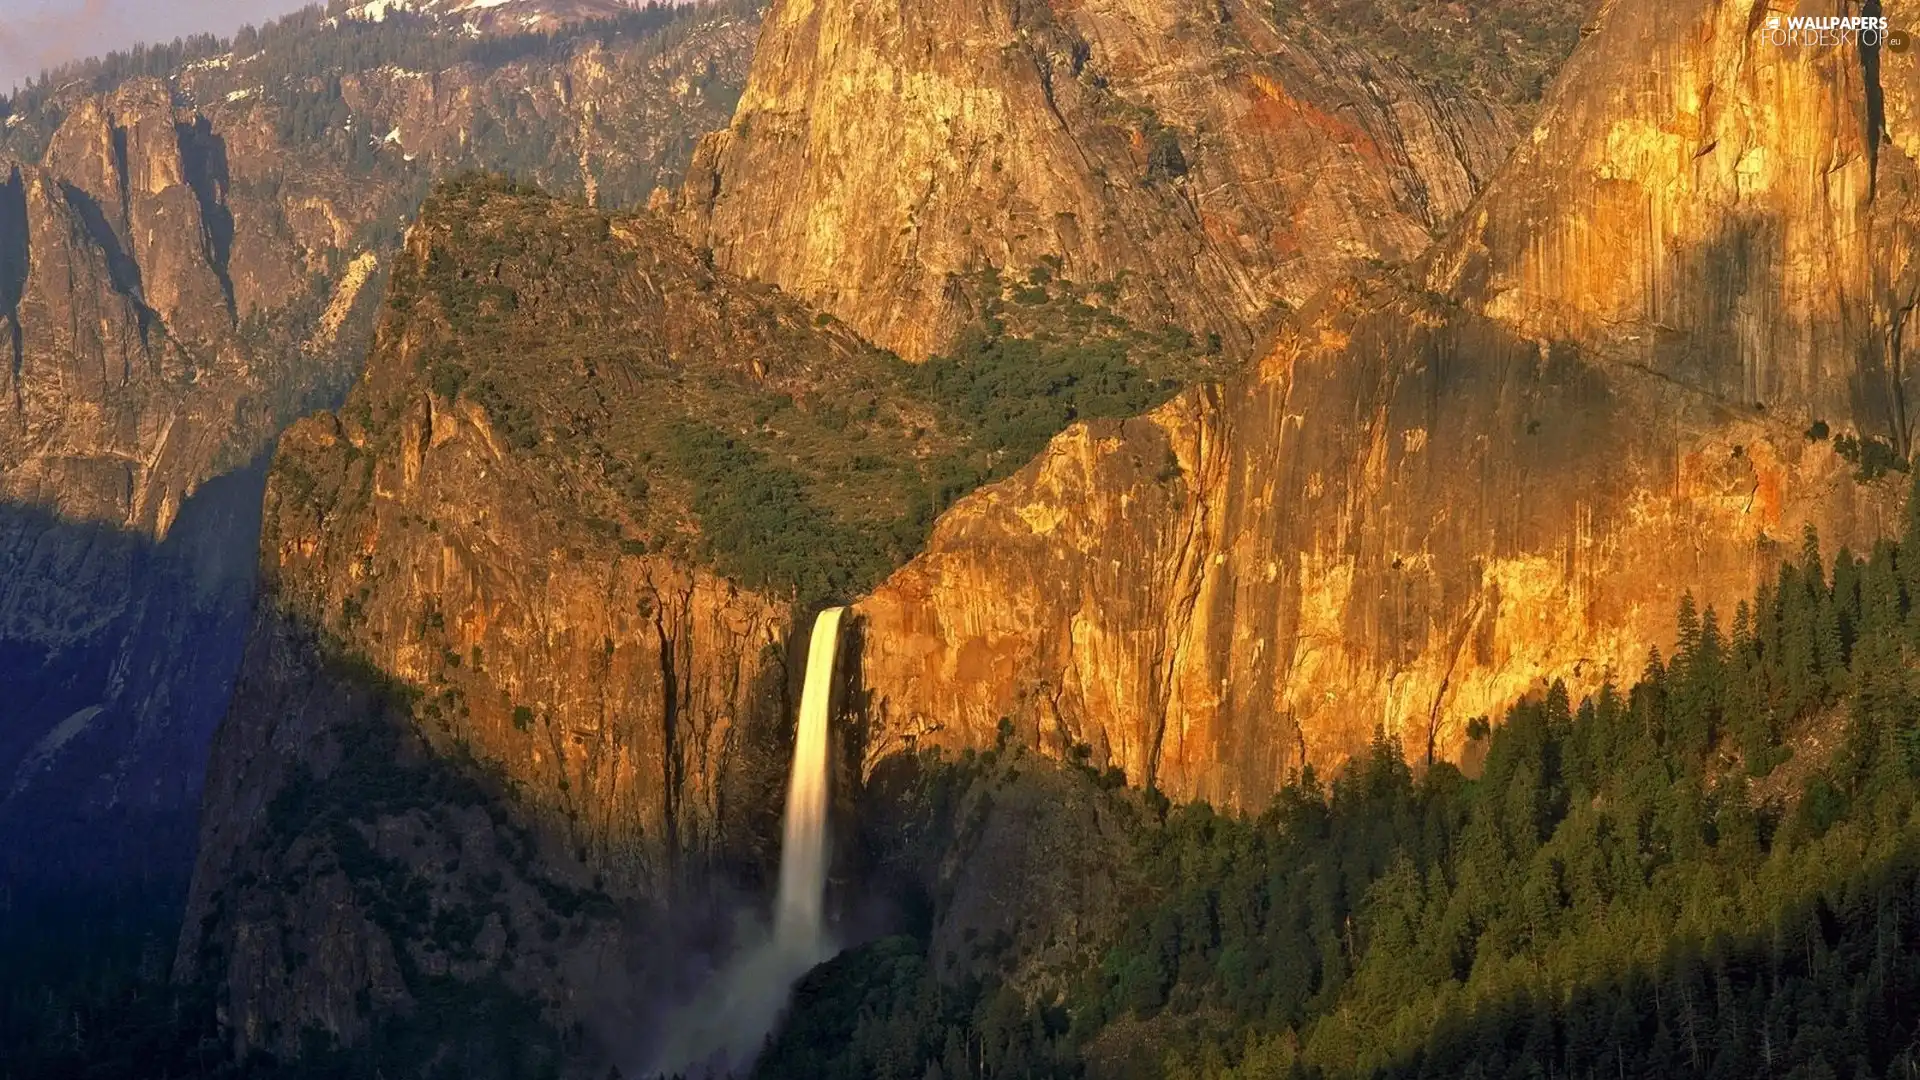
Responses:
[130,376]
[1217,169]
[183,271]
[132,386]
[613,120]
[1436,491]
[124,161]
[485,560]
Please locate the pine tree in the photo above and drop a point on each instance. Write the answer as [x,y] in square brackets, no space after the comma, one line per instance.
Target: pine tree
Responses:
[1706,685]
[1689,637]
[1880,602]
[1811,564]
[1909,551]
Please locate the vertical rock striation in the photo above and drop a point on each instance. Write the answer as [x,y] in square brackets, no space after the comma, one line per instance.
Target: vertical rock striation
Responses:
[131,388]
[1216,168]
[184,269]
[1438,490]
[486,560]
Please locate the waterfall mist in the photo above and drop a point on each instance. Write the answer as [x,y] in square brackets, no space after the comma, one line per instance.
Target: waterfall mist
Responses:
[722,1028]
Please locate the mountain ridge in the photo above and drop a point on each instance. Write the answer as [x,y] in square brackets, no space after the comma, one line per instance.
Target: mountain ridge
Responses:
[1432,492]
[1431,497]
[188,262]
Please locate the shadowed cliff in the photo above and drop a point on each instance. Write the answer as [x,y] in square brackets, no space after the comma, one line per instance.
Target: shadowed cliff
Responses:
[118,655]
[567,422]
[186,266]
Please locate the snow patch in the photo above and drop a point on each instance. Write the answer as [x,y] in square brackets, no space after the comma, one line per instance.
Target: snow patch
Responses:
[377,10]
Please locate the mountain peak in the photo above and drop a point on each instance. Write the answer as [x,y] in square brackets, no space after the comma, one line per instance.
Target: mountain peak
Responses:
[1053,131]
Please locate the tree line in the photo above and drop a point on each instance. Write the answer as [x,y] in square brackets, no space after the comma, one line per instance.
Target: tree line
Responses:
[1711,871]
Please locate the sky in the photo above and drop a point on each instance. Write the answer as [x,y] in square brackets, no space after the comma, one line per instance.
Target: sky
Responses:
[36,34]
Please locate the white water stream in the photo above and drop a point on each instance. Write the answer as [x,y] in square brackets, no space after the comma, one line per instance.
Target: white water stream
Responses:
[722,1028]
[798,921]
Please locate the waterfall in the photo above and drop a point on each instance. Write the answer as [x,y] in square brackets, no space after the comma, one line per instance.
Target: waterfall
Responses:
[803,854]
[721,1029]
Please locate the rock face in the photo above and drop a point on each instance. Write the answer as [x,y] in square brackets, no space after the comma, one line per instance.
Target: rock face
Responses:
[1218,169]
[106,280]
[1437,490]
[183,270]
[521,657]
[481,561]
[131,387]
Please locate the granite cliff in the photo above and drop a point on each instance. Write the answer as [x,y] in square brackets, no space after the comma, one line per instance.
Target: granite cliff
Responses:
[499,558]
[1215,167]
[188,263]
[528,596]
[160,333]
[548,557]
[1669,335]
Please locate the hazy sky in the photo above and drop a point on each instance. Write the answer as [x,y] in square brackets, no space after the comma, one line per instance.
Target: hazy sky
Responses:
[40,33]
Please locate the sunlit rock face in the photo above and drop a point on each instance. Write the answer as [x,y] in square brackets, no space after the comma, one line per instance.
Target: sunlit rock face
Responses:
[459,561]
[127,369]
[1737,215]
[180,279]
[1218,170]
[592,720]
[1437,490]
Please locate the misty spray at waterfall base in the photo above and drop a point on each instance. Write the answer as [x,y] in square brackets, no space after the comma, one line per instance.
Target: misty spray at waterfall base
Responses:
[723,1027]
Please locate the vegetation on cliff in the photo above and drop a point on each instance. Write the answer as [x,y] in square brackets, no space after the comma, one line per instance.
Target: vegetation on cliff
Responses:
[1711,872]
[305,46]
[693,414]
[1044,352]
[792,456]
[1506,51]
[315,80]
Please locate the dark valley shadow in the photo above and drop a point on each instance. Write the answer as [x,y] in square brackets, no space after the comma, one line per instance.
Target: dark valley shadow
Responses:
[116,658]
[117,654]
[374,895]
